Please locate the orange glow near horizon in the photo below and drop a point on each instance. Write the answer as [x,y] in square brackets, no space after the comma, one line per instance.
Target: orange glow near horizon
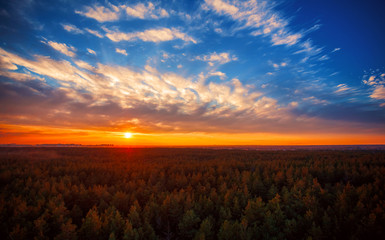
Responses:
[45,135]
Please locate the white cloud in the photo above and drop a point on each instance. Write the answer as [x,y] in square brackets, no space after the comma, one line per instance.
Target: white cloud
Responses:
[164,13]
[220,58]
[131,90]
[72,28]
[91,51]
[377,84]
[151,35]
[121,51]
[62,47]
[84,65]
[374,80]
[336,50]
[324,58]
[315,100]
[108,95]
[222,7]
[378,92]
[342,88]
[257,15]
[221,75]
[114,13]
[308,48]
[314,28]
[100,13]
[283,38]
[179,66]
[277,65]
[93,32]
[62,71]
[145,12]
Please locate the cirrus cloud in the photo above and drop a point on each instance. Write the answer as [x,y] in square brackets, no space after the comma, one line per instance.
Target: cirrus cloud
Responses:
[150,35]
[62,47]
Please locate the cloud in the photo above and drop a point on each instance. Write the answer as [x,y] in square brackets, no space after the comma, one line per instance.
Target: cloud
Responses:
[336,50]
[62,47]
[114,13]
[375,80]
[277,65]
[121,51]
[315,100]
[378,92]
[256,15]
[62,71]
[72,28]
[151,35]
[156,99]
[220,58]
[111,97]
[342,88]
[377,85]
[324,58]
[145,12]
[284,38]
[84,65]
[91,51]
[308,48]
[100,13]
[221,75]
[222,7]
[93,32]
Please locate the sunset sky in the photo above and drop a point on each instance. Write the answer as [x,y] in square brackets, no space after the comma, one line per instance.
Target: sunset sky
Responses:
[210,72]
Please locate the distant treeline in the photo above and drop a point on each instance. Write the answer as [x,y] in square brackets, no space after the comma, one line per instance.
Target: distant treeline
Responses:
[112,193]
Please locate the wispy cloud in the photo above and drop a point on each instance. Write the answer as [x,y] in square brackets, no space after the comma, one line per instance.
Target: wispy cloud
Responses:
[91,51]
[151,35]
[62,47]
[256,15]
[101,13]
[342,88]
[142,11]
[315,100]
[308,48]
[146,100]
[84,65]
[220,58]
[149,94]
[113,13]
[324,58]
[219,74]
[121,51]
[94,32]
[72,28]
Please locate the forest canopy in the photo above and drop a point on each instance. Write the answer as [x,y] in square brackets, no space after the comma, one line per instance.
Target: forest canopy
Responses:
[122,193]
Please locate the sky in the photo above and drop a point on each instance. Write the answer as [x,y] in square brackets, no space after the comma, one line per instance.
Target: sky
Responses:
[210,72]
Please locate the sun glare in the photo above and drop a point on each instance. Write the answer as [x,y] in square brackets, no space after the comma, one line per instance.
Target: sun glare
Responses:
[128,135]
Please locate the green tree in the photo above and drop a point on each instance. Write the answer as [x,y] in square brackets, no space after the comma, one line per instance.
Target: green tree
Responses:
[189,224]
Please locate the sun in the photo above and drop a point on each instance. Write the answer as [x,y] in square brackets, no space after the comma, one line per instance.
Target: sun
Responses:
[128,135]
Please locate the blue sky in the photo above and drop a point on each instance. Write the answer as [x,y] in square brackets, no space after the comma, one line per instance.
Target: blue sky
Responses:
[302,66]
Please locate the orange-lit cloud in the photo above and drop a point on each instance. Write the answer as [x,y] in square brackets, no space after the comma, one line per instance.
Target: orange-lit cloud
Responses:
[99,103]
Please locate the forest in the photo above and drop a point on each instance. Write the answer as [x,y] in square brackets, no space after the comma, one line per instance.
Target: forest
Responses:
[191,193]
